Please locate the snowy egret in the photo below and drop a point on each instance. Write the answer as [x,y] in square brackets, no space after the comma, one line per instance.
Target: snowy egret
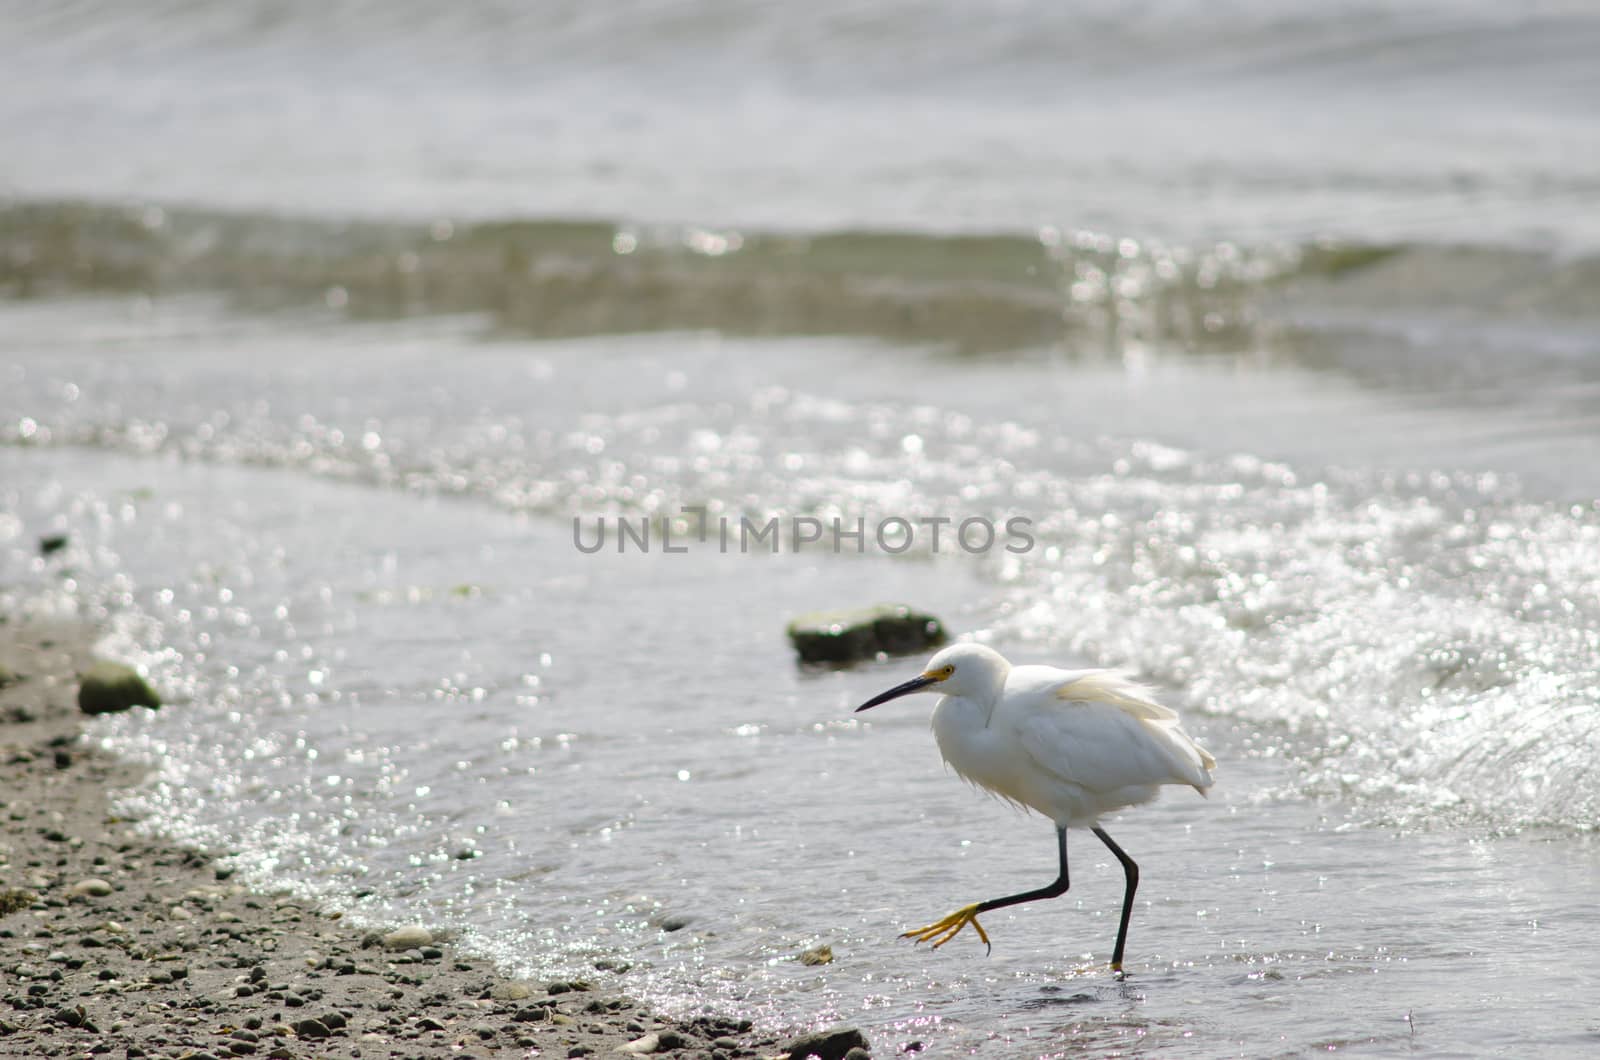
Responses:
[1071,744]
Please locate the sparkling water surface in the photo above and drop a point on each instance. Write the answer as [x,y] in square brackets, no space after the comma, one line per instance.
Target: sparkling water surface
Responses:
[398,686]
[322,322]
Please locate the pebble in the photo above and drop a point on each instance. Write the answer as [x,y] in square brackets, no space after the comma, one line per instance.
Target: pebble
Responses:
[312,1028]
[832,1044]
[642,1046]
[408,938]
[91,888]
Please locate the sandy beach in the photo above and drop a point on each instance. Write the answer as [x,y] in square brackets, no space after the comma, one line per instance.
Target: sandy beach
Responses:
[113,944]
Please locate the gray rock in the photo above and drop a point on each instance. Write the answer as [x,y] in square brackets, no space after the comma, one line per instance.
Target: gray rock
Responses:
[831,1044]
[864,633]
[312,1028]
[510,990]
[408,938]
[91,888]
[642,1046]
[109,688]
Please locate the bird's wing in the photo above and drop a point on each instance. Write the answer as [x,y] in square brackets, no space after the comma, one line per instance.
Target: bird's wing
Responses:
[1101,730]
[1109,686]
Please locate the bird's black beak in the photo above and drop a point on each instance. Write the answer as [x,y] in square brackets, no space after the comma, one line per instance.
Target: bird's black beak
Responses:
[920,681]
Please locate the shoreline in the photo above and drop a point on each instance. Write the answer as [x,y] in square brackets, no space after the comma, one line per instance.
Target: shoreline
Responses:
[116,944]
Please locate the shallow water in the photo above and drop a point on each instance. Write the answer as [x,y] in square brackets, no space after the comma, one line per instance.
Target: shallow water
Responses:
[388,653]
[323,323]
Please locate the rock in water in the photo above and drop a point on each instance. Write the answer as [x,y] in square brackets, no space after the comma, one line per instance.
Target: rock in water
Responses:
[864,633]
[110,688]
[817,955]
[831,1044]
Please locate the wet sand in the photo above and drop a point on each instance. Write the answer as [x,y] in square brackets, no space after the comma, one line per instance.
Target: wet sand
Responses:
[114,944]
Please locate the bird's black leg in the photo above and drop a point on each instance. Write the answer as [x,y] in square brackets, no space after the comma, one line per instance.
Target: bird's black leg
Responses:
[1055,890]
[1130,871]
[941,931]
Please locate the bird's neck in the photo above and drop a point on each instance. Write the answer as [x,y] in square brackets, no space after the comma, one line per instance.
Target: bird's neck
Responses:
[965,712]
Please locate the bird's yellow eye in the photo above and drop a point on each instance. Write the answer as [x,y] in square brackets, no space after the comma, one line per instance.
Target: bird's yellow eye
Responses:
[946,672]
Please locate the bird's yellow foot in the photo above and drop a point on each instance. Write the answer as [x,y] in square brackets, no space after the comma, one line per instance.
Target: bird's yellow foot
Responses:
[941,931]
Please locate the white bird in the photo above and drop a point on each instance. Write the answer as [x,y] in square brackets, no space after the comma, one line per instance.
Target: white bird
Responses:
[1072,744]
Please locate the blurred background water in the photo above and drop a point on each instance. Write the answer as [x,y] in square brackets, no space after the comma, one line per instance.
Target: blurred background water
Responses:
[322,322]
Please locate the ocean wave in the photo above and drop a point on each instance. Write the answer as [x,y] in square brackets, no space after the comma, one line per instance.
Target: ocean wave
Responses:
[1075,289]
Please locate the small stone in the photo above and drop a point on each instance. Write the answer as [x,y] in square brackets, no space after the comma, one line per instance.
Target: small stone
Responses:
[50,544]
[642,1046]
[408,938]
[91,888]
[577,1050]
[312,1028]
[831,1044]
[675,922]
[670,1039]
[817,955]
[858,1053]
[428,1024]
[110,688]
[511,990]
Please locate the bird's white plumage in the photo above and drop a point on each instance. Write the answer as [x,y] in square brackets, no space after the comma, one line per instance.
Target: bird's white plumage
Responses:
[1071,744]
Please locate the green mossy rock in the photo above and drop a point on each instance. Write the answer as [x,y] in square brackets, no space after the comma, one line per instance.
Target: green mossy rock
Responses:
[109,688]
[864,633]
